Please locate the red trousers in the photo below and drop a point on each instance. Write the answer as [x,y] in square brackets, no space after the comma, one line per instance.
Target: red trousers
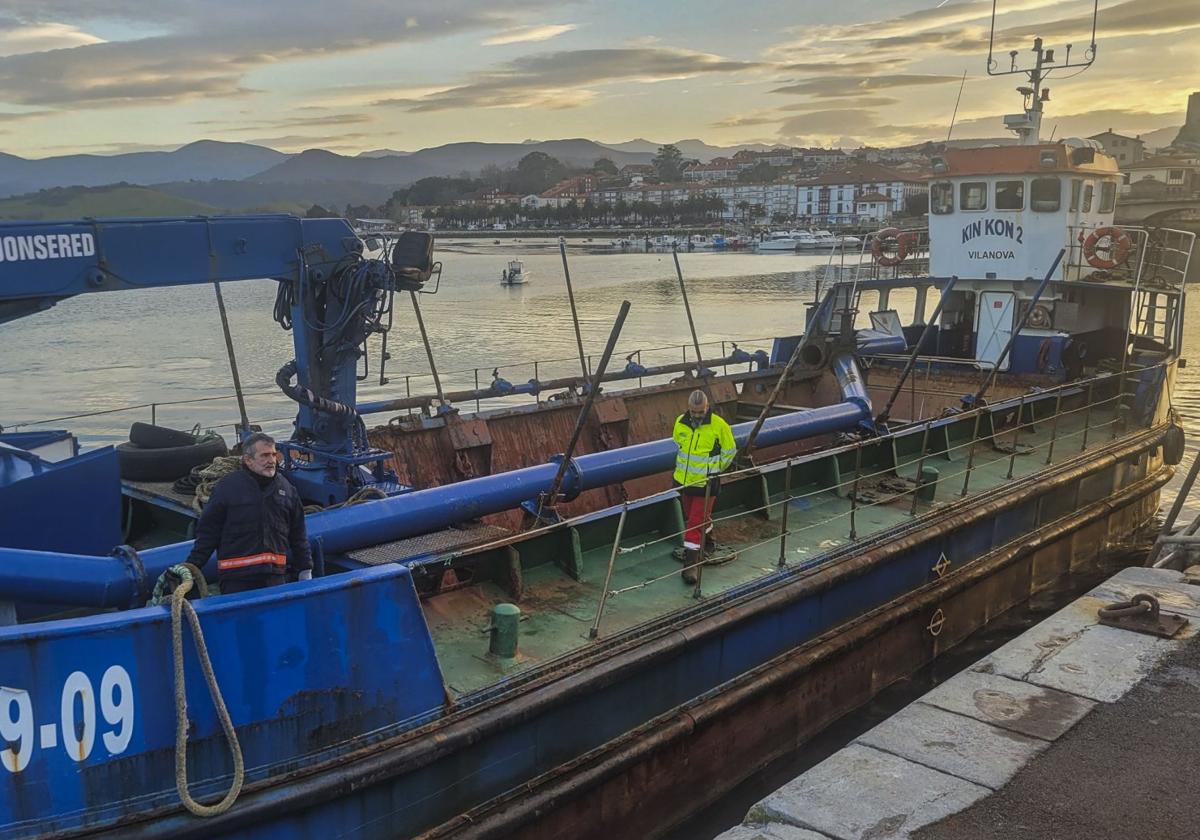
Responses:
[698,518]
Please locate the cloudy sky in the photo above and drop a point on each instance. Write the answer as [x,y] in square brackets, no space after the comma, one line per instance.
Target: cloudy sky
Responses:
[118,75]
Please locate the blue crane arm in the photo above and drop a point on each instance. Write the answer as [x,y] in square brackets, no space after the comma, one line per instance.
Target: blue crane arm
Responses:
[331,298]
[42,263]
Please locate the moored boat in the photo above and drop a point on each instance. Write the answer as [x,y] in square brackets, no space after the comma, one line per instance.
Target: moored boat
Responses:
[471,665]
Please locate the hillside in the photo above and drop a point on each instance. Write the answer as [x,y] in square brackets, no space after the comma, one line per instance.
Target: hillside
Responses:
[119,201]
[203,159]
[318,165]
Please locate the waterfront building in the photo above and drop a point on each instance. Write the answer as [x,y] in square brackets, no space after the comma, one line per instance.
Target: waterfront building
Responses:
[1174,175]
[1124,148]
[832,196]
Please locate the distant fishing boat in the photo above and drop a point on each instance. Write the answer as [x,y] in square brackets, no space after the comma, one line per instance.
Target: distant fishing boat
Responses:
[514,275]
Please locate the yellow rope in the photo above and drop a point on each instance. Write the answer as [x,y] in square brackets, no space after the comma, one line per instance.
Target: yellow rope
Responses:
[179,605]
[210,475]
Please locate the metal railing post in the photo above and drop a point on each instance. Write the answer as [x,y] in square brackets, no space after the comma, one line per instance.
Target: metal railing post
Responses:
[153,414]
[1054,427]
[920,467]
[1087,418]
[1119,403]
[1012,459]
[612,559]
[971,452]
[477,390]
[787,503]
[705,522]
[854,492]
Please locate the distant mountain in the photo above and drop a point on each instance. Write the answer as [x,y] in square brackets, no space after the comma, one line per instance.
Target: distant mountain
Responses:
[203,159]
[374,153]
[318,165]
[697,149]
[99,202]
[1160,138]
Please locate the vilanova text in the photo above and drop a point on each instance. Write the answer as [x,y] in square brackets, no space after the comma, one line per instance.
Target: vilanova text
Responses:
[53,246]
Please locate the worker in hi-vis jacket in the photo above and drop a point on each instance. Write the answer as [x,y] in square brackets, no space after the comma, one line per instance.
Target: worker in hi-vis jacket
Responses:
[706,448]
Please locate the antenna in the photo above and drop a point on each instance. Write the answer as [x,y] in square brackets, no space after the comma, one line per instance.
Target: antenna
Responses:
[954,116]
[1027,124]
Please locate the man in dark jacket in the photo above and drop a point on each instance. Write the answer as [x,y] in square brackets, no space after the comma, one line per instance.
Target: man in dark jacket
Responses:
[254,520]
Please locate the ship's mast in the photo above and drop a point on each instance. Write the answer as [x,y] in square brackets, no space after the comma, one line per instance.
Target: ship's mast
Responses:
[1028,123]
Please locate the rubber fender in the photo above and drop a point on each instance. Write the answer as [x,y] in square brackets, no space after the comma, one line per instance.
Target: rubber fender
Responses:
[158,437]
[167,464]
[1173,445]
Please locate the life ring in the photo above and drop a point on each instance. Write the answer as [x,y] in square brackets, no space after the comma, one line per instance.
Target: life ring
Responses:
[1039,317]
[884,237]
[1118,247]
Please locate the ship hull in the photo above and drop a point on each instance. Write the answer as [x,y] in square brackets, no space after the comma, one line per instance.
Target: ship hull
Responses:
[635,735]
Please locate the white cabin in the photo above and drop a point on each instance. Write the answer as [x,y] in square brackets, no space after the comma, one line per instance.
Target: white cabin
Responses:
[1005,212]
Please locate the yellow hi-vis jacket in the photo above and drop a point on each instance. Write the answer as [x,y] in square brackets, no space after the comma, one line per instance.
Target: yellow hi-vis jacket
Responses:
[706,447]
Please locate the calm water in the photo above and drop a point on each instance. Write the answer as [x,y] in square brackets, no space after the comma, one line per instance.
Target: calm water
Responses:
[105,351]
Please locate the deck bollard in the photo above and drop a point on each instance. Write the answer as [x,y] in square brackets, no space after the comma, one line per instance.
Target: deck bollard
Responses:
[503,642]
[927,488]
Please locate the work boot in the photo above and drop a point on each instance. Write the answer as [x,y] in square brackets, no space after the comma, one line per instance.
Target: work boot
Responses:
[710,545]
[690,558]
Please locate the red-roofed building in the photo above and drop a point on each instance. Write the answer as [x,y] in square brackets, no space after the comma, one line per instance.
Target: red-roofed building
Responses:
[832,196]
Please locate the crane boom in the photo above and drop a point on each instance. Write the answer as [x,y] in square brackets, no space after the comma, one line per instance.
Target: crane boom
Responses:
[330,297]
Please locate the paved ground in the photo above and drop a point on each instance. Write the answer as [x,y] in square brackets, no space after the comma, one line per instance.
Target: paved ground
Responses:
[1071,731]
[1126,771]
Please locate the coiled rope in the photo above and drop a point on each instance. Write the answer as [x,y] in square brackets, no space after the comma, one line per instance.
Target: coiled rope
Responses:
[180,605]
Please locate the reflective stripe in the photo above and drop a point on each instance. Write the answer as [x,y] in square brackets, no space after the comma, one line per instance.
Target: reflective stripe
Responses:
[265,559]
[690,546]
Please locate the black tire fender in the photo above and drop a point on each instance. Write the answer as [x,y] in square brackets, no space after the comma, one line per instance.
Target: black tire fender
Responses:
[158,437]
[169,463]
[1173,445]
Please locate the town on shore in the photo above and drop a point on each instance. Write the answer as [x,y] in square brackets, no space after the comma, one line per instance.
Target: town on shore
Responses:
[751,189]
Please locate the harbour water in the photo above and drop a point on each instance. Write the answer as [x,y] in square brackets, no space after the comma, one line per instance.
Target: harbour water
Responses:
[106,353]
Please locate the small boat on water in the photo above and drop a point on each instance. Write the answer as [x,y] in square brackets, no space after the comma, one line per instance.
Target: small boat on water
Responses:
[515,274]
[779,241]
[825,239]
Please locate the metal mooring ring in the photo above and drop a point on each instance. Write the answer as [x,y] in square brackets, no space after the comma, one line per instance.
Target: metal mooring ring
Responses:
[1140,603]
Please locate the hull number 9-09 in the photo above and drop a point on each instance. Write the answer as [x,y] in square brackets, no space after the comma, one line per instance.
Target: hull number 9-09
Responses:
[76,728]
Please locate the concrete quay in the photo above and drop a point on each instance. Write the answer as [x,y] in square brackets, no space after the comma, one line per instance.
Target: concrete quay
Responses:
[1072,730]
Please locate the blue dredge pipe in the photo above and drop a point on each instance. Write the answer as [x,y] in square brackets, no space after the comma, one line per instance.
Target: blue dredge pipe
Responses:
[124,579]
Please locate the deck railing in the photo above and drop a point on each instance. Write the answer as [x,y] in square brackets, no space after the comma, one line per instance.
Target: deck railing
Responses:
[1026,415]
[416,383]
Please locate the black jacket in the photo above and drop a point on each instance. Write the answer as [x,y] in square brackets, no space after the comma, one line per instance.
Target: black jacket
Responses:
[256,528]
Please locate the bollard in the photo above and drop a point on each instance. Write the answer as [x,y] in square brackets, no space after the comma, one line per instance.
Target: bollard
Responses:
[503,642]
[927,486]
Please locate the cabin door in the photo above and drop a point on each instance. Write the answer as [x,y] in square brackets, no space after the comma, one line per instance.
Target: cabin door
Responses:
[996,316]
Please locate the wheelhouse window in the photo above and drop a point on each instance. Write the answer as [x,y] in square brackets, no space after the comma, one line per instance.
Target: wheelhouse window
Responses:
[941,198]
[972,195]
[1010,195]
[1045,195]
[1076,191]
[1088,189]
[1108,197]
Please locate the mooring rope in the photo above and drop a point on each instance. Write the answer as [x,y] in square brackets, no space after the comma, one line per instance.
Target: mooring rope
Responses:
[180,605]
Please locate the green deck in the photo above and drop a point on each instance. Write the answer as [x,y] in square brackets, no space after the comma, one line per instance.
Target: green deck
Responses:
[558,611]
